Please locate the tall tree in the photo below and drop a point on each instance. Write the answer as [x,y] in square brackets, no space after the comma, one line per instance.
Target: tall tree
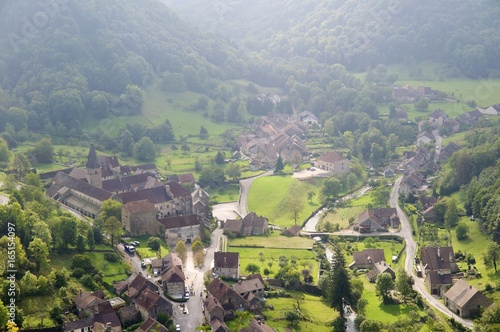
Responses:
[279,166]
[451,216]
[44,151]
[39,251]
[492,256]
[67,231]
[112,227]
[233,171]
[90,239]
[384,285]
[338,287]
[144,150]
[181,250]
[295,207]
[110,208]
[403,283]
[219,158]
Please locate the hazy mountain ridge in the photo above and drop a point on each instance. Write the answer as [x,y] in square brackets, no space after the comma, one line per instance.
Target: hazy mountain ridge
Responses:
[57,61]
[359,34]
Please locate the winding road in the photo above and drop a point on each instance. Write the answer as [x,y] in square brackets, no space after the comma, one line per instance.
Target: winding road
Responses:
[411,250]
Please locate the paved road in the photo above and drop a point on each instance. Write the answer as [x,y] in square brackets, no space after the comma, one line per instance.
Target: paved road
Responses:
[411,249]
[194,282]
[244,187]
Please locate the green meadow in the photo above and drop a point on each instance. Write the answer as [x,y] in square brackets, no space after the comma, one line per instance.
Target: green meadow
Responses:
[275,205]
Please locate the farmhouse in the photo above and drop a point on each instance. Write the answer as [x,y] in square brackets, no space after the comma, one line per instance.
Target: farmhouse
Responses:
[173,281]
[367,258]
[377,219]
[252,224]
[379,268]
[227,264]
[424,138]
[438,117]
[151,325]
[438,282]
[439,259]
[465,300]
[308,118]
[333,162]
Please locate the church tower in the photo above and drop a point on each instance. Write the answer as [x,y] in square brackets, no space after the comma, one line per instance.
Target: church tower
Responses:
[93,170]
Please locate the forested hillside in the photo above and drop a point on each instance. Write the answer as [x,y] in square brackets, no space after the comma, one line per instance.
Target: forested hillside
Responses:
[464,35]
[63,62]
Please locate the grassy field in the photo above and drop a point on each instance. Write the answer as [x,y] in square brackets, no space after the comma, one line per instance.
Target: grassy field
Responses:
[311,306]
[305,259]
[274,240]
[286,191]
[477,244]
[342,215]
[144,251]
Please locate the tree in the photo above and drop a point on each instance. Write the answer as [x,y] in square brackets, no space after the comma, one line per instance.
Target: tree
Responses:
[462,230]
[310,195]
[154,243]
[80,243]
[4,151]
[279,166]
[384,285]
[126,144]
[331,189]
[112,227]
[110,208]
[82,262]
[451,215]
[90,239]
[212,176]
[181,250]
[492,256]
[197,245]
[233,171]
[67,231]
[144,150]
[370,325]
[252,268]
[44,151]
[20,164]
[338,288]
[4,314]
[39,251]
[490,320]
[219,158]
[185,148]
[295,207]
[422,105]
[267,272]
[203,132]
[403,283]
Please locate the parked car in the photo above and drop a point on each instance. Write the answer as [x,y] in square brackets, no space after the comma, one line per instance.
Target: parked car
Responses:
[186,296]
[130,249]
[143,265]
[177,327]
[136,243]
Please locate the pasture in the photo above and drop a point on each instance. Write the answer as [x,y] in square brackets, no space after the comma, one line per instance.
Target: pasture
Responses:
[285,192]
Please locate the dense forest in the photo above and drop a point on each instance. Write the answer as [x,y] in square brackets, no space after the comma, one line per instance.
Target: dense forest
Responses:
[464,35]
[62,63]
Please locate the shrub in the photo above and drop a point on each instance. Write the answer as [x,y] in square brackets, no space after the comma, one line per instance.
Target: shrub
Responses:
[110,257]
[154,243]
[78,272]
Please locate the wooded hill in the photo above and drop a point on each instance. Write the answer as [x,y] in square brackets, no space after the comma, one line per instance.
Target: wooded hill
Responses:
[71,59]
[359,34]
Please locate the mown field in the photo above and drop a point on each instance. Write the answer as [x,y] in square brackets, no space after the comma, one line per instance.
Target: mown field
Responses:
[272,196]
[265,251]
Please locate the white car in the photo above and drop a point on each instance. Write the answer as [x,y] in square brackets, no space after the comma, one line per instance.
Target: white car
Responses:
[177,327]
